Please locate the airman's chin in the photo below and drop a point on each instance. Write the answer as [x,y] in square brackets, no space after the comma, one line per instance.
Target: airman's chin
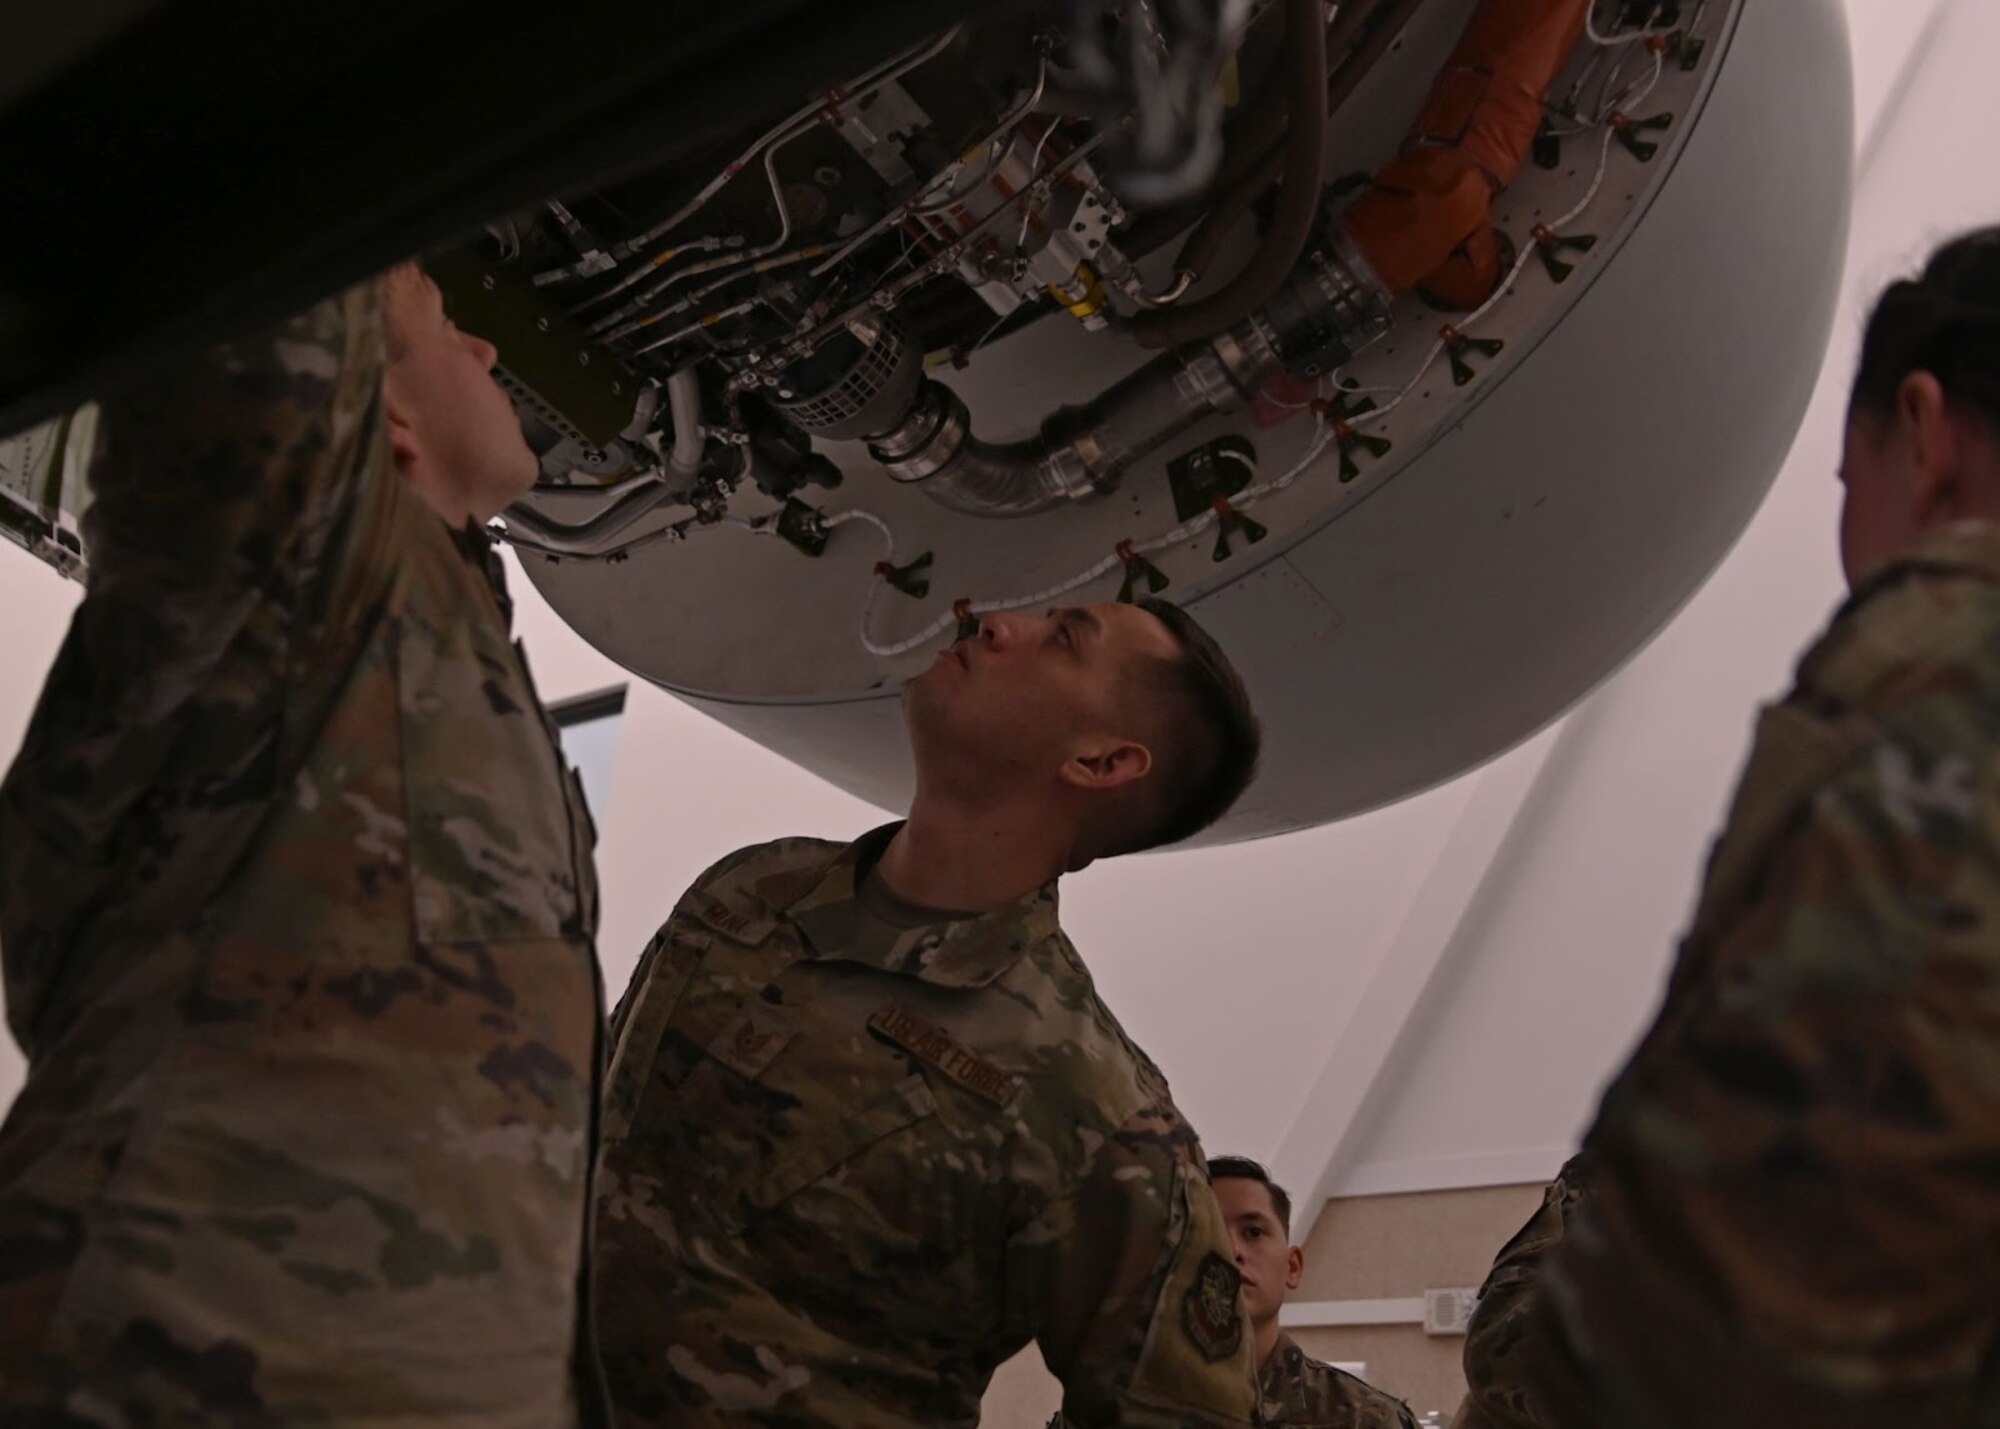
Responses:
[918,700]
[526,470]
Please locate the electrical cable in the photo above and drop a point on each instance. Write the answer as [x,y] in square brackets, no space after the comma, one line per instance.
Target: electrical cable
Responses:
[1611,41]
[808,115]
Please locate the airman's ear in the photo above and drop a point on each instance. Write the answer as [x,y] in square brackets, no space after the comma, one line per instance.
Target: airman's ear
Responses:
[1936,447]
[1108,764]
[403,445]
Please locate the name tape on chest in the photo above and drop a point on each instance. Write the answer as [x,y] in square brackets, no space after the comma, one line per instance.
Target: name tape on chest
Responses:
[938,1048]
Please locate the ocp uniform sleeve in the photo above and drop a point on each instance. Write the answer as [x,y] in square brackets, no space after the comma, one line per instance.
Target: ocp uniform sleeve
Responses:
[1516,1374]
[1796,1214]
[223,479]
[1131,1289]
[225,576]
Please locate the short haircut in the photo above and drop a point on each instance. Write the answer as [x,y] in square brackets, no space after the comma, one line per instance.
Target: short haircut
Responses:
[1209,739]
[1242,1168]
[1945,321]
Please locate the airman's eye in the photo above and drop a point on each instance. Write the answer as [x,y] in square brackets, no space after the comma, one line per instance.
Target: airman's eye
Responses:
[1062,634]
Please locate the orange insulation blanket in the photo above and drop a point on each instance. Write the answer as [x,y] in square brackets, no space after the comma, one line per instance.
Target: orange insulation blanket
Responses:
[1426,220]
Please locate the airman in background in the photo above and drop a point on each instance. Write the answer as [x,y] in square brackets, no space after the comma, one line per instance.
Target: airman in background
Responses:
[1296,1391]
[1787,1211]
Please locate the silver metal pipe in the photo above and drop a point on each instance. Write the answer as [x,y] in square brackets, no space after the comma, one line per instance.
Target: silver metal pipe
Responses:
[934,445]
[639,499]
[1016,480]
[708,320]
[1080,451]
[684,405]
[866,84]
[645,296]
[694,299]
[1328,308]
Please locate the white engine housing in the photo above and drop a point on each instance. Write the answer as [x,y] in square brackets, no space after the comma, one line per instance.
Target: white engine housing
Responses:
[1528,532]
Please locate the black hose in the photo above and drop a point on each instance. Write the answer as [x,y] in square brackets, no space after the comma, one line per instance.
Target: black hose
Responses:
[1298,202]
[1253,160]
[1356,43]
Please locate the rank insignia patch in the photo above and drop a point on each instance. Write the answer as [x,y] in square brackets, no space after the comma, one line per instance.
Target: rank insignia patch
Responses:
[752,1040]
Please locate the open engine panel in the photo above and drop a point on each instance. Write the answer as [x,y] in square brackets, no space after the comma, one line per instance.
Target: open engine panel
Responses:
[920,311]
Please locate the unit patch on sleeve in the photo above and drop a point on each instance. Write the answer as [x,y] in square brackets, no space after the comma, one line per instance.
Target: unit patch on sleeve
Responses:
[945,1052]
[1210,1312]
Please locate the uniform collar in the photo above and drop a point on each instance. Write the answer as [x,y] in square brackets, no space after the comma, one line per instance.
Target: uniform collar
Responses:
[967,952]
[1850,657]
[1281,1370]
[1969,548]
[476,545]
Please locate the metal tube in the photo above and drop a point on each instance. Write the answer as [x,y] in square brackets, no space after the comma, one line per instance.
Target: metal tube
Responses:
[590,536]
[1080,451]
[707,290]
[735,310]
[999,482]
[866,85]
[684,404]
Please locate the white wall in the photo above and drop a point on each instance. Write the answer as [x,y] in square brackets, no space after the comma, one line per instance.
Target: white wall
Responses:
[1565,962]
[37,603]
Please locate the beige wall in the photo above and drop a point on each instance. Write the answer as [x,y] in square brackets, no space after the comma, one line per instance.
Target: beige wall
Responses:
[1023,1394]
[1396,1248]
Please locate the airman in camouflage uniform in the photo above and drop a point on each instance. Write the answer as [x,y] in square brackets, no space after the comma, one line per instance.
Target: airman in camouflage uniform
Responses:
[1505,1340]
[1294,1389]
[1300,1392]
[858,1152]
[297,906]
[1788,1210]
[850,1167]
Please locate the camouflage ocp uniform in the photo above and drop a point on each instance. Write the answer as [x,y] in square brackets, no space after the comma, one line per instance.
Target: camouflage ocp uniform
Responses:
[296,905]
[1509,1351]
[1297,1391]
[1792,1208]
[850,1167]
